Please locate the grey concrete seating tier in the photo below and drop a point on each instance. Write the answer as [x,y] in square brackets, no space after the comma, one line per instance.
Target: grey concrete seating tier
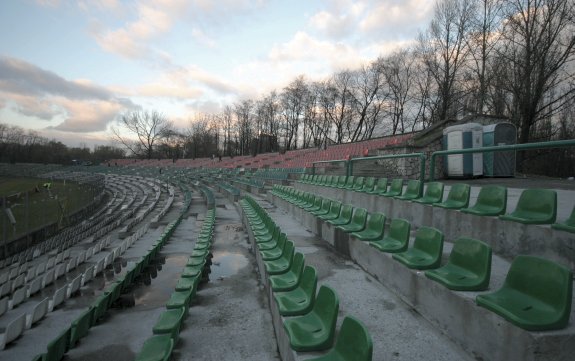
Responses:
[507,238]
[478,330]
[79,266]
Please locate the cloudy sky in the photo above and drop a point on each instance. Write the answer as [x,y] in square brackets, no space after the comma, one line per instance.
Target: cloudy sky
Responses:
[69,67]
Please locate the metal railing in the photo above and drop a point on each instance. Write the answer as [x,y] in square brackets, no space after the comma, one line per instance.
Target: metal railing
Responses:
[349,163]
[500,148]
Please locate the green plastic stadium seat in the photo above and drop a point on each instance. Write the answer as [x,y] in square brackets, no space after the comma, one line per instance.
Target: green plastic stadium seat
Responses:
[380,187]
[395,189]
[568,225]
[180,299]
[468,268]
[325,206]
[374,228]
[457,198]
[275,252]
[300,300]
[397,238]
[274,243]
[348,183]
[353,343]
[188,283]
[289,280]
[535,206]
[315,331]
[491,201]
[340,182]
[433,193]
[426,250]
[282,264]
[264,246]
[81,325]
[169,322]
[344,216]
[156,348]
[368,185]
[357,221]
[316,206]
[101,305]
[58,346]
[358,183]
[535,296]
[412,191]
[333,213]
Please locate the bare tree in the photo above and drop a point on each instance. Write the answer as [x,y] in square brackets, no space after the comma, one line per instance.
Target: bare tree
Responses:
[146,127]
[245,132]
[292,103]
[445,48]
[539,44]
[368,96]
[485,34]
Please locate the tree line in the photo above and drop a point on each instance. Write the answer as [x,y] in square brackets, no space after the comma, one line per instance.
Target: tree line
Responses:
[512,59]
[18,145]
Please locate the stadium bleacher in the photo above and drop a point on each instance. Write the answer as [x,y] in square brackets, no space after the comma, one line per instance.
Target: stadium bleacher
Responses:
[211,260]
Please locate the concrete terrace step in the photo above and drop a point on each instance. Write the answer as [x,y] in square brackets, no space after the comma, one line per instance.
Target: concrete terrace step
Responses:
[479,331]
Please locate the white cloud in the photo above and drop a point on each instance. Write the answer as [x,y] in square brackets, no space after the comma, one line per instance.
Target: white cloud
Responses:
[86,116]
[35,92]
[397,17]
[50,3]
[203,39]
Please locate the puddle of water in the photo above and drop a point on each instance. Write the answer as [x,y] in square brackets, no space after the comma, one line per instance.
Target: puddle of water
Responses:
[159,281]
[225,264]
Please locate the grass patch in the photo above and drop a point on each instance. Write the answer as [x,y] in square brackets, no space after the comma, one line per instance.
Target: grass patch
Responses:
[43,206]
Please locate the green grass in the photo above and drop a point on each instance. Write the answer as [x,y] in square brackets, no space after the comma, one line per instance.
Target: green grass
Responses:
[44,207]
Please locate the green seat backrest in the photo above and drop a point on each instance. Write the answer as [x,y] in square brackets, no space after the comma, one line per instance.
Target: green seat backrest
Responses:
[493,196]
[434,190]
[459,193]
[346,211]
[472,255]
[341,181]
[58,346]
[297,263]
[314,179]
[335,208]
[334,180]
[325,205]
[359,216]
[369,183]
[358,183]
[318,202]
[288,251]
[375,221]
[381,185]
[413,188]
[399,230]
[429,240]
[326,306]
[327,181]
[353,342]
[308,282]
[349,182]
[544,280]
[396,186]
[539,203]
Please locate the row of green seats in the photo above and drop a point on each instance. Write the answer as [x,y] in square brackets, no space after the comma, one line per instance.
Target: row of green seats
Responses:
[166,330]
[535,206]
[80,327]
[310,320]
[543,305]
